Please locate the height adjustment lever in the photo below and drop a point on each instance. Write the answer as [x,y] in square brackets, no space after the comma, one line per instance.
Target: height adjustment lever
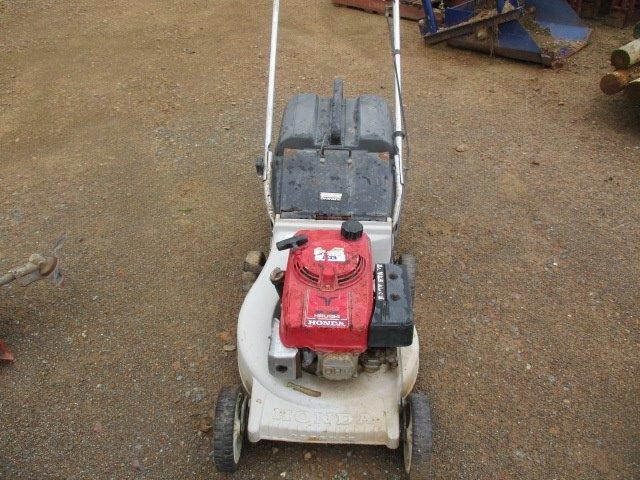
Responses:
[292,242]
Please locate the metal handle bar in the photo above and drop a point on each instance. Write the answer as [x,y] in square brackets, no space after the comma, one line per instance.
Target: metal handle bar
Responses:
[268,152]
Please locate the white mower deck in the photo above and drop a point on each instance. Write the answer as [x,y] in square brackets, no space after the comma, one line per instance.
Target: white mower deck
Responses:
[312,409]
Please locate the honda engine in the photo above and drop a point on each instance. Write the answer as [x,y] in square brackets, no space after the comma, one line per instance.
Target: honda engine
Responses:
[340,314]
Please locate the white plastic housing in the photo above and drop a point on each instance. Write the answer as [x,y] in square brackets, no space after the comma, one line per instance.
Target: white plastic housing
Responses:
[311,409]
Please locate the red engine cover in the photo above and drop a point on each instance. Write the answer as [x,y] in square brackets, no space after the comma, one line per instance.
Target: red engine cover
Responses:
[327,298]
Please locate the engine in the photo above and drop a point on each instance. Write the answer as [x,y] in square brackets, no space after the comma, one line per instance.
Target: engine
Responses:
[340,314]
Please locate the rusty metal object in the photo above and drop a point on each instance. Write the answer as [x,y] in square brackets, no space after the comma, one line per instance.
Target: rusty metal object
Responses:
[38,267]
[5,353]
[302,389]
[622,12]
[277,279]
[410,9]
[484,19]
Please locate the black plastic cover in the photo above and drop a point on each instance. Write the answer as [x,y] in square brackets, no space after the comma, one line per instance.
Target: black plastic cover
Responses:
[365,124]
[344,185]
[392,322]
[334,158]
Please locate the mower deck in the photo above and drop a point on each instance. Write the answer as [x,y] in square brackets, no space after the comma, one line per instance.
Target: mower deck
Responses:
[313,409]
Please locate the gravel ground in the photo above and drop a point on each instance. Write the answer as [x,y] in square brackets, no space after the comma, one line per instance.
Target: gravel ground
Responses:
[132,127]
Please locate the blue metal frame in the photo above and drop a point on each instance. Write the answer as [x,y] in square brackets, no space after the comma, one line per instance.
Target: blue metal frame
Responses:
[459,13]
[568,33]
[458,20]
[430,16]
[462,13]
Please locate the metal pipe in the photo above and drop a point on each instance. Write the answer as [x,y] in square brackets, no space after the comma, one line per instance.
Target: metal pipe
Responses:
[397,82]
[398,158]
[266,175]
[397,78]
[430,17]
[271,86]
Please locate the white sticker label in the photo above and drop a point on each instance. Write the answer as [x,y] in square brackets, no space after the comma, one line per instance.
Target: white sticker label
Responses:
[336,254]
[333,196]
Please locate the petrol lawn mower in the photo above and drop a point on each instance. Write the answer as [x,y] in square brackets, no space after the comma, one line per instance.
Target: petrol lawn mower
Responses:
[327,348]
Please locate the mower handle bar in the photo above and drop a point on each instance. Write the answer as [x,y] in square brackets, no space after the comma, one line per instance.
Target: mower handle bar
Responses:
[398,137]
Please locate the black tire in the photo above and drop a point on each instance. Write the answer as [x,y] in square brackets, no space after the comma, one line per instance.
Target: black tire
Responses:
[229,426]
[409,261]
[417,437]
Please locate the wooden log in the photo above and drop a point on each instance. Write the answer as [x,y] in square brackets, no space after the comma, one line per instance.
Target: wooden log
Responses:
[632,92]
[614,82]
[626,55]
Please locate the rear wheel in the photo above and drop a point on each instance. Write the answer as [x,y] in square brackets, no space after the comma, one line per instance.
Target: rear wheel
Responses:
[416,436]
[229,426]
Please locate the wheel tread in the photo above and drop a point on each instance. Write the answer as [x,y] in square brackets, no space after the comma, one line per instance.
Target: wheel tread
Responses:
[223,429]
[422,436]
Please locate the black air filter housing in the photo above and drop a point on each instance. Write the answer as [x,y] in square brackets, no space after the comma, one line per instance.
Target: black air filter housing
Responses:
[392,323]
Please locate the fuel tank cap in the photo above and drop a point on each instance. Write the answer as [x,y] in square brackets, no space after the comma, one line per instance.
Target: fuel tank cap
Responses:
[351,230]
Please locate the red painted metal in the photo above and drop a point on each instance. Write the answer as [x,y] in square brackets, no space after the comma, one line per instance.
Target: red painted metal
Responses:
[623,12]
[409,9]
[327,301]
[576,5]
[5,353]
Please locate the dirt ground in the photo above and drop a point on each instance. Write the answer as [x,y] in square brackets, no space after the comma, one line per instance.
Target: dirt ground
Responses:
[133,126]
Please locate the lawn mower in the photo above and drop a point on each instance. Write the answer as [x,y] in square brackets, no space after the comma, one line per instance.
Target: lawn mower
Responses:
[327,348]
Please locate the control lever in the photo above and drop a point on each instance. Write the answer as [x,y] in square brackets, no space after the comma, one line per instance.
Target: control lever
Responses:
[292,242]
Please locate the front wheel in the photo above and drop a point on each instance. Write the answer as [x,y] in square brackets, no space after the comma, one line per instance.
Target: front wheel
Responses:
[416,436]
[229,426]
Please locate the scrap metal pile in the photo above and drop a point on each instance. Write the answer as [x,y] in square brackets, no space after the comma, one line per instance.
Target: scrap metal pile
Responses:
[540,31]
[626,76]
[616,13]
